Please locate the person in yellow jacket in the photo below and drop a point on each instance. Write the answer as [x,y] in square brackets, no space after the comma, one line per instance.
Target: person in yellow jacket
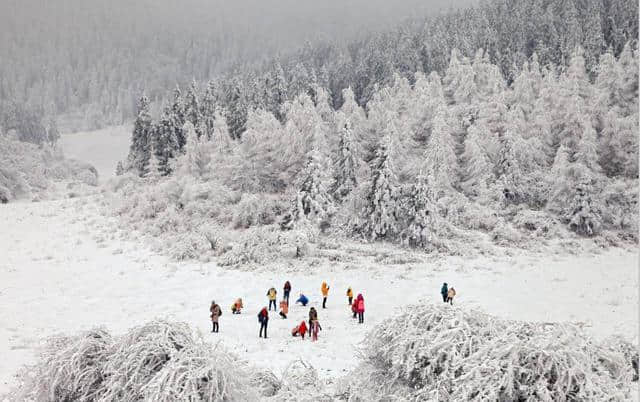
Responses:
[350,295]
[272,293]
[325,293]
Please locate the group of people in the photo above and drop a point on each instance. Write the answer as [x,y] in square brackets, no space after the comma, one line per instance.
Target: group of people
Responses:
[313,327]
[448,293]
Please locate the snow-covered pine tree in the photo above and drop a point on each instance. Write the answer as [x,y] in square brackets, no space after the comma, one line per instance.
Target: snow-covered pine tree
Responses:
[192,106]
[313,201]
[380,215]
[177,117]
[166,143]
[477,168]
[139,151]
[276,91]
[583,211]
[440,161]
[152,170]
[119,169]
[418,214]
[220,138]
[208,108]
[510,175]
[196,158]
[347,166]
[237,109]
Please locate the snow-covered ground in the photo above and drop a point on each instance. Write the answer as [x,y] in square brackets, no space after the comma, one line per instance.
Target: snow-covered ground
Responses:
[59,274]
[106,147]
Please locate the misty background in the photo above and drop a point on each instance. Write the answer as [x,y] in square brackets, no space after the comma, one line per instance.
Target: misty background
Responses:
[87,62]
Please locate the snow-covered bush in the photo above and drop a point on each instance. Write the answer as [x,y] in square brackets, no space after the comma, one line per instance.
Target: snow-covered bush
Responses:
[254,210]
[505,234]
[440,352]
[265,382]
[538,222]
[70,369]
[159,361]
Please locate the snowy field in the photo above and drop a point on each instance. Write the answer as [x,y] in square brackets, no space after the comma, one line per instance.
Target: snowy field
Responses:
[106,147]
[60,275]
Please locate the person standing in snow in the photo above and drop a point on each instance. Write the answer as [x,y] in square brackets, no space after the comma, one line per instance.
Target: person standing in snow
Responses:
[302,300]
[287,291]
[450,295]
[271,294]
[350,295]
[216,312]
[284,308]
[263,319]
[444,291]
[300,329]
[313,315]
[236,307]
[360,308]
[315,328]
[325,293]
[354,308]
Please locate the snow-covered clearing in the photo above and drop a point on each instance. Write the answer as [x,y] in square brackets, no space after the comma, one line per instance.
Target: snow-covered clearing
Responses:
[106,147]
[59,275]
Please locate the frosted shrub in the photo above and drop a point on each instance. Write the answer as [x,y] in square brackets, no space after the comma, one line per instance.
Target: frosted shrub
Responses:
[505,234]
[159,361]
[253,210]
[254,246]
[539,222]
[139,355]
[187,245]
[200,373]
[265,382]
[445,353]
[70,369]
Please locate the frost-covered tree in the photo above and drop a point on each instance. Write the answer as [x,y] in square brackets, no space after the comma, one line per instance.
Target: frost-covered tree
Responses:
[192,110]
[477,168]
[312,199]
[418,214]
[139,150]
[197,155]
[166,142]
[152,170]
[208,108]
[380,215]
[347,165]
[237,109]
[440,161]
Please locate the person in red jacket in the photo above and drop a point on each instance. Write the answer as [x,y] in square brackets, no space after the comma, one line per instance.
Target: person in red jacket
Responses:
[360,308]
[354,308]
[300,329]
[263,319]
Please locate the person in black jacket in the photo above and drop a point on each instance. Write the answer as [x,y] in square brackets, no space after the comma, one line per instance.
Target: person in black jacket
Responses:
[444,292]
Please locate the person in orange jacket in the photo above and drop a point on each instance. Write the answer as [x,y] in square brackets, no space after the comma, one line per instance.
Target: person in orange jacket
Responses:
[284,308]
[300,329]
[325,293]
[350,295]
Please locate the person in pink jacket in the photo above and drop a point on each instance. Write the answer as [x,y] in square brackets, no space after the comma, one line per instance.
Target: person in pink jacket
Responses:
[360,308]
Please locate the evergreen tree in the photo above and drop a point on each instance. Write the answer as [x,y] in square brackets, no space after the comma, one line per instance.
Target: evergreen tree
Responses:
[197,157]
[192,106]
[152,170]
[346,177]
[237,109]
[380,215]
[477,166]
[208,108]
[119,169]
[177,117]
[440,161]
[166,146]
[418,214]
[312,199]
[139,150]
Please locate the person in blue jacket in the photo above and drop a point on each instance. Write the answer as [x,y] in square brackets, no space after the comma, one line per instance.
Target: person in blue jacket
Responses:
[302,300]
[444,291]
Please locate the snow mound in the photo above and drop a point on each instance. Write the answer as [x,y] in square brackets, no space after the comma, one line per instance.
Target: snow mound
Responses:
[448,353]
[159,361]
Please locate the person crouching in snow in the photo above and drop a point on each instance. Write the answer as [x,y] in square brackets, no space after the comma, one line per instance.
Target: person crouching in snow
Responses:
[236,307]
[263,319]
[350,295]
[444,291]
[302,300]
[325,293]
[315,328]
[360,308]
[300,329]
[271,293]
[216,312]
[450,295]
[284,308]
